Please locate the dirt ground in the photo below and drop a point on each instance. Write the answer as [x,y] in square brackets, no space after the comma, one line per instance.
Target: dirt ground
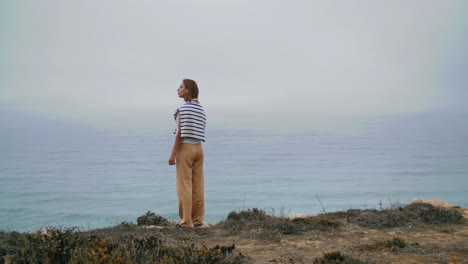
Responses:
[428,244]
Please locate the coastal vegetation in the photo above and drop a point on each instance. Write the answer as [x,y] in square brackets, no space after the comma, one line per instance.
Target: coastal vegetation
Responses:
[255,236]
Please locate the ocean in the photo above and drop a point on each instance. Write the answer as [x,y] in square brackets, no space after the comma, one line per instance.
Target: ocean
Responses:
[54,174]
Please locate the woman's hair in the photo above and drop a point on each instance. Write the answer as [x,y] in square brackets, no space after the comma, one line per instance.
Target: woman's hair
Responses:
[192,88]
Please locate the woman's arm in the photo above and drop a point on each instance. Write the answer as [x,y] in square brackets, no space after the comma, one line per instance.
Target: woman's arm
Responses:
[177,143]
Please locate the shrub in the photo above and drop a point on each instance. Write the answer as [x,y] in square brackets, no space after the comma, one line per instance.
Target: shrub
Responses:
[330,258]
[335,257]
[287,227]
[151,218]
[318,222]
[269,226]
[395,242]
[10,243]
[430,214]
[415,213]
[54,245]
[104,250]
[249,215]
[68,246]
[382,218]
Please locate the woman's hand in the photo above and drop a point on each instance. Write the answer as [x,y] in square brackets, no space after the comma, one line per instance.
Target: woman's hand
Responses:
[177,142]
[172,160]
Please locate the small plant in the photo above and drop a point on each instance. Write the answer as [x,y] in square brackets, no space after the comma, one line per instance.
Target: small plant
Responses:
[395,242]
[287,227]
[335,257]
[151,218]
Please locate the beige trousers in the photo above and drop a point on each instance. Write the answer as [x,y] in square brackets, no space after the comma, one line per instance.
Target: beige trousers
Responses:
[190,184]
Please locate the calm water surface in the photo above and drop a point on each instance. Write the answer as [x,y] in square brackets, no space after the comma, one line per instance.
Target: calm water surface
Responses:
[61,175]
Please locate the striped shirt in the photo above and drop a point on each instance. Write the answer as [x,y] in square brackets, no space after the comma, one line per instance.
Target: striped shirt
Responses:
[192,120]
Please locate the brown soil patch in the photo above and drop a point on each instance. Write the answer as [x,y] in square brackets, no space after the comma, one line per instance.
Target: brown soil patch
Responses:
[429,244]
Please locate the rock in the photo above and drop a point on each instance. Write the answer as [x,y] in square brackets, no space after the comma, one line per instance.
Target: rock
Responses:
[153,227]
[301,215]
[206,224]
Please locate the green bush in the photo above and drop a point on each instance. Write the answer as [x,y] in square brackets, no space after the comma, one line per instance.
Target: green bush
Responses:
[430,214]
[395,242]
[249,215]
[151,218]
[412,214]
[317,222]
[269,226]
[56,245]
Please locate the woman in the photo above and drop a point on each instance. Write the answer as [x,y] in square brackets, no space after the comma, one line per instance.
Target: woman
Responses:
[187,155]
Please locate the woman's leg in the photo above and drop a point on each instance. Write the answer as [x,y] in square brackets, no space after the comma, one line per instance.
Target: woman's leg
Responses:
[184,162]
[198,204]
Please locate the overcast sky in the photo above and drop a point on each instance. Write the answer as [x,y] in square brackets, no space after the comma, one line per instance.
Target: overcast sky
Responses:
[257,63]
